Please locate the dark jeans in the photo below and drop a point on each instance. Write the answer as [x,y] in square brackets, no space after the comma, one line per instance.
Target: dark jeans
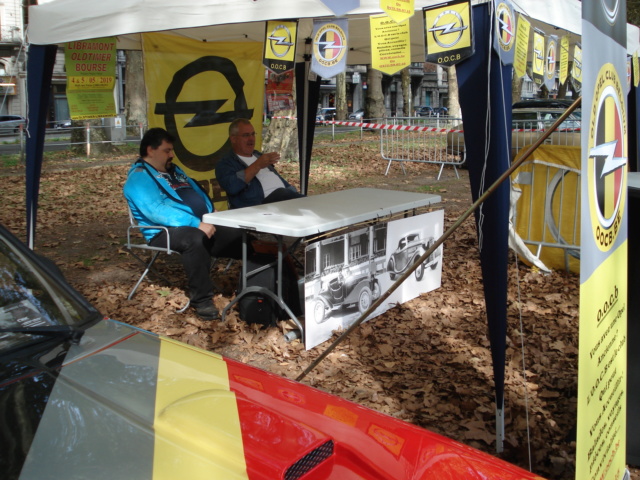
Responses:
[280,194]
[196,251]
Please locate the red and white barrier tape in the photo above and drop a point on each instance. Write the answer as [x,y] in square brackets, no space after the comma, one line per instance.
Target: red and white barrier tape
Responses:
[414,128]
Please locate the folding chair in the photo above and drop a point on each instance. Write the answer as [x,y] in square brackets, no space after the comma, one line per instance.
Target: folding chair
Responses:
[133,244]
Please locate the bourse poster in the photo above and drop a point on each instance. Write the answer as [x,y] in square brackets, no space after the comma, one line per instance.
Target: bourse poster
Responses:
[345,274]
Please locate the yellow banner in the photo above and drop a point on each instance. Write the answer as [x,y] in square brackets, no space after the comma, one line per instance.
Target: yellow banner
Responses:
[399,10]
[538,57]
[602,371]
[195,90]
[280,46]
[522,46]
[448,33]
[564,59]
[636,69]
[576,71]
[390,44]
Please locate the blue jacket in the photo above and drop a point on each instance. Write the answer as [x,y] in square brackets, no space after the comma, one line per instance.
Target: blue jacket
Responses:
[153,202]
[230,175]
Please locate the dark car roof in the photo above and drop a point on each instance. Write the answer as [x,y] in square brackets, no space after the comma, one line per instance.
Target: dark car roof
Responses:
[543,103]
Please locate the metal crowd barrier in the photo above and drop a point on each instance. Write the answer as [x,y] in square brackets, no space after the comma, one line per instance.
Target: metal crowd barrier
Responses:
[423,140]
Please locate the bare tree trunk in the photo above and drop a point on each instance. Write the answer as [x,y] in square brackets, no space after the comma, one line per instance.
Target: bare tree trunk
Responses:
[135,98]
[97,136]
[516,88]
[454,95]
[375,98]
[406,92]
[342,111]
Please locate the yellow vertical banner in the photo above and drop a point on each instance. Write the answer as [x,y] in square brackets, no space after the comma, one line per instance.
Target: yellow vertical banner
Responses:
[636,69]
[390,44]
[91,75]
[564,59]
[399,10]
[522,46]
[576,71]
[195,90]
[538,62]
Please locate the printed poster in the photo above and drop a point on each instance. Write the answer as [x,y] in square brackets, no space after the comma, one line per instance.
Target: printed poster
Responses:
[602,356]
[91,78]
[345,274]
[521,54]
[195,90]
[505,37]
[399,10]
[390,44]
[550,62]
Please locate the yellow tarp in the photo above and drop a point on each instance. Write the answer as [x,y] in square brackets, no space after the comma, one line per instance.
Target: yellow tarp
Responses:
[548,210]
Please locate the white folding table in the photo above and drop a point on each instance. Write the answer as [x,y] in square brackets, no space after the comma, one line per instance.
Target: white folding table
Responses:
[312,215]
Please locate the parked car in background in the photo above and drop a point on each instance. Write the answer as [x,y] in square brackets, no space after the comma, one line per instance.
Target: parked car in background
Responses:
[357,116]
[325,114]
[441,111]
[424,111]
[85,397]
[528,123]
[62,124]
[10,124]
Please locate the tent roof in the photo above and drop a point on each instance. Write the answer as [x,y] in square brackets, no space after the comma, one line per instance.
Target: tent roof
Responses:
[61,21]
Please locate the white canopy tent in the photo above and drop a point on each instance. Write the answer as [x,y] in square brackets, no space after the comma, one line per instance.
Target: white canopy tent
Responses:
[60,21]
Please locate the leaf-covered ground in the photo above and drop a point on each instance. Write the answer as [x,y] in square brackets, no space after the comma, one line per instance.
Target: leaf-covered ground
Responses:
[426,361]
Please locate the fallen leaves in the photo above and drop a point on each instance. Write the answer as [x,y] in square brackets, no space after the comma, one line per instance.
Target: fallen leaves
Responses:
[427,361]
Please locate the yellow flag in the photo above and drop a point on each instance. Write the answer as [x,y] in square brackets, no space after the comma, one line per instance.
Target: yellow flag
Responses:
[390,44]
[564,59]
[399,10]
[195,90]
[538,57]
[636,69]
[522,46]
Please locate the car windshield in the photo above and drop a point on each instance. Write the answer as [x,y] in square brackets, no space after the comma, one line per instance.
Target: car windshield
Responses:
[30,299]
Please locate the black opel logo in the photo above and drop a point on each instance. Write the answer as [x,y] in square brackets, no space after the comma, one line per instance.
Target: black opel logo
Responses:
[205,112]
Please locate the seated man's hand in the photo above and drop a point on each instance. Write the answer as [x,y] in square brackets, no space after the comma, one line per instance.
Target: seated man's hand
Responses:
[267,159]
[207,228]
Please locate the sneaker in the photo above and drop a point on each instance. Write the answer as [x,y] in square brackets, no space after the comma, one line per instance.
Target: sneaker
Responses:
[207,312]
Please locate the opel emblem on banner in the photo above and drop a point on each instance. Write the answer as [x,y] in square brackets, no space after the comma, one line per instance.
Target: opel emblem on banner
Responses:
[280,46]
[505,35]
[448,36]
[550,62]
[205,112]
[537,65]
[607,158]
[329,47]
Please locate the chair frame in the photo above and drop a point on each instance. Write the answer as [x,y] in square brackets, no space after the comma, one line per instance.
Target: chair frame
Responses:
[131,245]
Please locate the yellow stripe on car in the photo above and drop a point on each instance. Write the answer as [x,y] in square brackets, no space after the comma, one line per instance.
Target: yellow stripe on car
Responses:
[197,426]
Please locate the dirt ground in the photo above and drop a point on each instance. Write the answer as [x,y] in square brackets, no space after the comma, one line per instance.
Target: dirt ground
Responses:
[427,361]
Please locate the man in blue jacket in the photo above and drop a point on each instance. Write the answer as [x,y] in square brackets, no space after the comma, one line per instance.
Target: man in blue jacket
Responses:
[247,175]
[160,193]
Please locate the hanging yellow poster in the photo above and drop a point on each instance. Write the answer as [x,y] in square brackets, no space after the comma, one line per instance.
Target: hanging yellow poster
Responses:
[195,90]
[538,62]
[522,46]
[399,10]
[564,59]
[91,75]
[390,44]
